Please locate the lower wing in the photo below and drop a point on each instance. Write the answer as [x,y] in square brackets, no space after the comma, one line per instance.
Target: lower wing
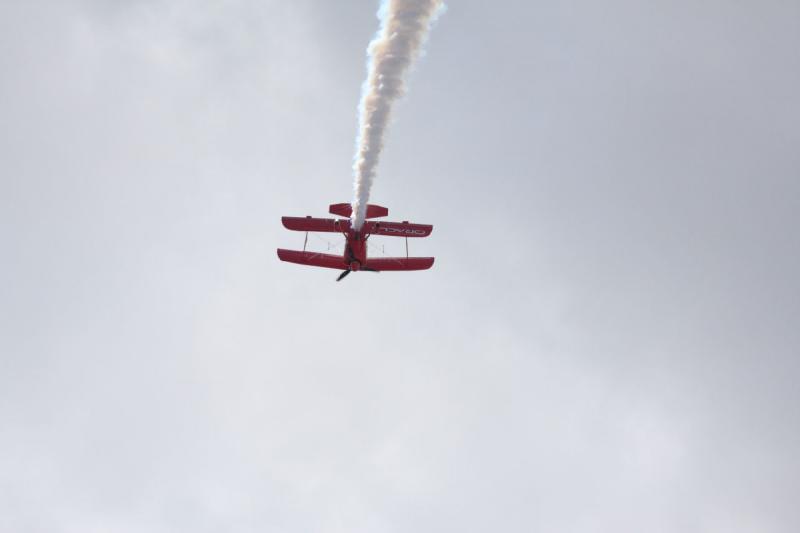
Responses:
[400,263]
[313,259]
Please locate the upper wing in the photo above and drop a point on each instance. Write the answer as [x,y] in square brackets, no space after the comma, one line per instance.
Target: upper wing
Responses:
[398,229]
[330,225]
[312,259]
[316,224]
[400,263]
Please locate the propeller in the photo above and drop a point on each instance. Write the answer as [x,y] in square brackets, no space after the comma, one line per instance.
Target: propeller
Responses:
[346,272]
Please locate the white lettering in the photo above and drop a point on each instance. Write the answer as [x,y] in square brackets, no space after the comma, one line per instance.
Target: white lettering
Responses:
[402,231]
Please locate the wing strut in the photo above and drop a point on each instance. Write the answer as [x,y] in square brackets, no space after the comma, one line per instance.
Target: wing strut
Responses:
[305,242]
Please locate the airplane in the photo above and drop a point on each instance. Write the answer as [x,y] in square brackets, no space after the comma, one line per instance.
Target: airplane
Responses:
[355,257]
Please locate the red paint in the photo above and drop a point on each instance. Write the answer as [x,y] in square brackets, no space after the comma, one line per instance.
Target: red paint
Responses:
[355,257]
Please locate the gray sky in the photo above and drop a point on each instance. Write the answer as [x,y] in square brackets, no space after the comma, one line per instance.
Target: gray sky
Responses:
[608,340]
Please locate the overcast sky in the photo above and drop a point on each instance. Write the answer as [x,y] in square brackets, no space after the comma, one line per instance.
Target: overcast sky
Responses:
[609,340]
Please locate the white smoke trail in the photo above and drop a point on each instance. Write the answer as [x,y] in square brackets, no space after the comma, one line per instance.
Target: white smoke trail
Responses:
[404,27]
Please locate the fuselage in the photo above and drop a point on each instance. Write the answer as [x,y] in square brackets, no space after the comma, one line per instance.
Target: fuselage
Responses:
[355,251]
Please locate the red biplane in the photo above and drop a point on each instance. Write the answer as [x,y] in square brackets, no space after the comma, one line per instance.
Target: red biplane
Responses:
[355,250]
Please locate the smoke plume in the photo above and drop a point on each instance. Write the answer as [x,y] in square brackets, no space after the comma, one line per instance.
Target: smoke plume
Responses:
[404,27]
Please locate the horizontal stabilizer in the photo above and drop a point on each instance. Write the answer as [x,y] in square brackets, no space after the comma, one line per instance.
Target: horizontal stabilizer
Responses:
[313,259]
[346,210]
[399,263]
